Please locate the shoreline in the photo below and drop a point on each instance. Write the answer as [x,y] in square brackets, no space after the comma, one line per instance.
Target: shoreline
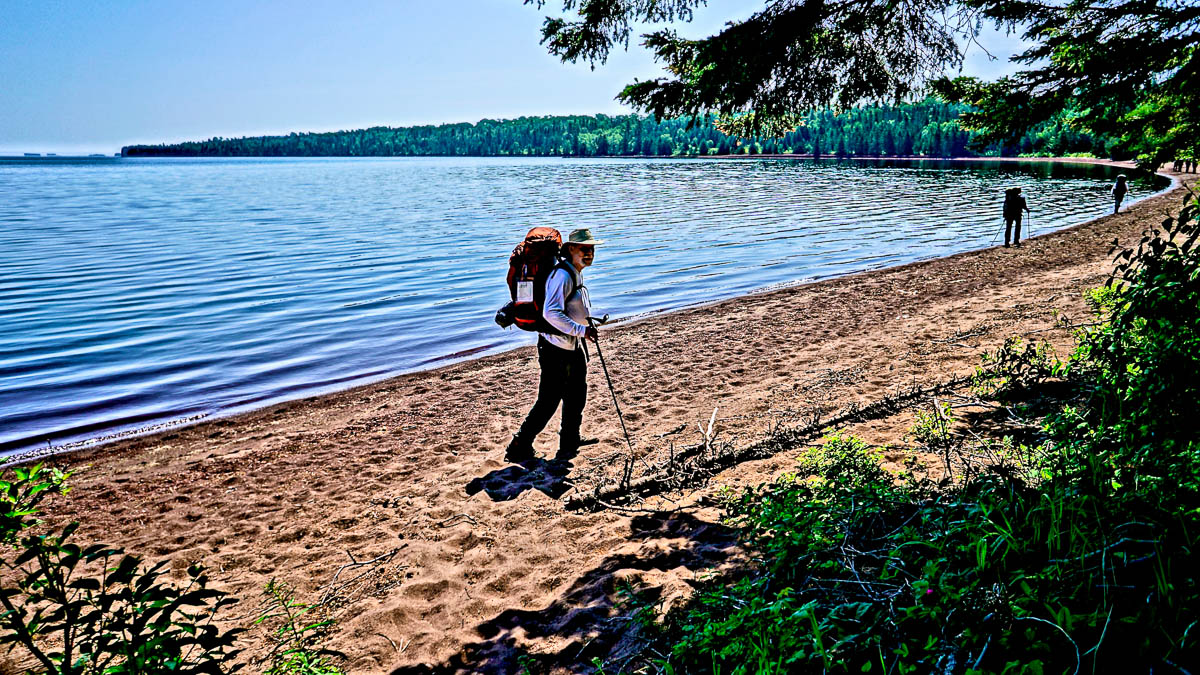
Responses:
[23,451]
[806,156]
[486,562]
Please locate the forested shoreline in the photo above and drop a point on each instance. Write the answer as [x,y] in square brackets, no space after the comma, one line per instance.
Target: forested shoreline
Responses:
[929,128]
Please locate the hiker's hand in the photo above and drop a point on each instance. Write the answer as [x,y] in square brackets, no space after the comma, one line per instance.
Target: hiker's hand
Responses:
[591,333]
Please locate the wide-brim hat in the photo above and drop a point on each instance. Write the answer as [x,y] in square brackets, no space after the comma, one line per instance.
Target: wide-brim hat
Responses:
[582,236]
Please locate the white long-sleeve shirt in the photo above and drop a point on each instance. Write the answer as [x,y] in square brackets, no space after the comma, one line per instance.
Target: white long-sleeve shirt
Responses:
[570,317]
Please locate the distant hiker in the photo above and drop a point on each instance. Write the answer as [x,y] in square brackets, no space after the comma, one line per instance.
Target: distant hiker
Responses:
[1118,191]
[1014,204]
[561,353]
[1177,165]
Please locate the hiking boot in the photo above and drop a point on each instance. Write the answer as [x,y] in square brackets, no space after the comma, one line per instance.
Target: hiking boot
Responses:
[518,450]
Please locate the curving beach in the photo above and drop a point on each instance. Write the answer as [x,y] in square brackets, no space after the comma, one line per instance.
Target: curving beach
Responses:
[459,562]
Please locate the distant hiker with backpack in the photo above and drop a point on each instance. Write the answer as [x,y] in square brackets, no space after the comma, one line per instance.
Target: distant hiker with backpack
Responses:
[1118,192]
[562,328]
[1014,204]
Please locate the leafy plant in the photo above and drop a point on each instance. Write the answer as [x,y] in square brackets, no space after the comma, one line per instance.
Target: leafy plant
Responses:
[22,489]
[1014,368]
[89,610]
[932,428]
[845,460]
[297,637]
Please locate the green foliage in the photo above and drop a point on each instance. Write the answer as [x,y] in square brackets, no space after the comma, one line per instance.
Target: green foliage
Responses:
[21,491]
[1087,562]
[932,428]
[297,638]
[1014,368]
[789,57]
[1139,425]
[1123,71]
[928,128]
[847,461]
[90,610]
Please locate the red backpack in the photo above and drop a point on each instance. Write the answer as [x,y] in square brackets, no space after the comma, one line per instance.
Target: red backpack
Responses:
[528,268]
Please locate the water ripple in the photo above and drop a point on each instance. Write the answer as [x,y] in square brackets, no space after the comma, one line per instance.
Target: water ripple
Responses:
[136,292]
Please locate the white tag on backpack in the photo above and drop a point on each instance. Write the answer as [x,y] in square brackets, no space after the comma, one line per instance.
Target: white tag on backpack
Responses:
[524,291]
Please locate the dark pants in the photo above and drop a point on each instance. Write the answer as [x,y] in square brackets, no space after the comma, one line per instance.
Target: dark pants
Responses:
[1009,221]
[564,379]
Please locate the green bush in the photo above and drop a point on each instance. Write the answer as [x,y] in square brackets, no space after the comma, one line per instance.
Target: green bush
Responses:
[1013,369]
[1138,427]
[1085,563]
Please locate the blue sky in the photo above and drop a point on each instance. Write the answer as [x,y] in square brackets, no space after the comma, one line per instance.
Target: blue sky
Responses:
[87,76]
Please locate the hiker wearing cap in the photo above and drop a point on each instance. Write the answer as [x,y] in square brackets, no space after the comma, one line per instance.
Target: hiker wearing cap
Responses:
[1014,204]
[1118,192]
[561,355]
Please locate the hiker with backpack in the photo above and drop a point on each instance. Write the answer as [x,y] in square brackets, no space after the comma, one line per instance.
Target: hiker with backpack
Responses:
[1118,192]
[1014,204]
[562,326]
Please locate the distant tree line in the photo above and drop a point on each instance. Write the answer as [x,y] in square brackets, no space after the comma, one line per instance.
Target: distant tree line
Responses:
[929,128]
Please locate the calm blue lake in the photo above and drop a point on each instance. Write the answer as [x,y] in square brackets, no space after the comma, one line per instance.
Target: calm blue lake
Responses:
[139,292]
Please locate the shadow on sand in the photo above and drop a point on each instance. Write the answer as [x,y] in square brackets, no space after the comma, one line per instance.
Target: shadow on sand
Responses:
[586,620]
[548,476]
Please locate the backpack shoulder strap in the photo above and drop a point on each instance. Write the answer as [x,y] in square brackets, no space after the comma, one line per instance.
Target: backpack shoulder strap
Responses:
[572,275]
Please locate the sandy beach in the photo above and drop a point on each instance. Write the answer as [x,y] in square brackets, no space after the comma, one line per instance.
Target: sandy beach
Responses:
[393,502]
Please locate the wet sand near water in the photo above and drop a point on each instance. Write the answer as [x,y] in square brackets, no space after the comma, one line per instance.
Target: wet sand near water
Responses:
[473,562]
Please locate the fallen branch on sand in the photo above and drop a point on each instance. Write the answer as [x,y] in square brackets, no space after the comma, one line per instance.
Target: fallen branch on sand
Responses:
[333,590]
[698,463]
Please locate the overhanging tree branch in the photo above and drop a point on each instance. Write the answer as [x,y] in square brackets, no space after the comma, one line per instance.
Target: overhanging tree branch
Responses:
[1122,67]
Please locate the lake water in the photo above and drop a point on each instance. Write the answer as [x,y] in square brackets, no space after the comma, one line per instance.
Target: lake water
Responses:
[137,293]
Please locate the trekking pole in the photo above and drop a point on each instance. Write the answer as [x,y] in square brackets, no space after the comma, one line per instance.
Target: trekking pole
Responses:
[996,236]
[593,323]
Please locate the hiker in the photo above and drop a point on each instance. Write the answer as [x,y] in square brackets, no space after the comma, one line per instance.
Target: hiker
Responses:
[1118,191]
[1014,203]
[561,357]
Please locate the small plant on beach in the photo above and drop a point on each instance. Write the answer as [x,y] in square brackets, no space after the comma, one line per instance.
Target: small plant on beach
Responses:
[297,636]
[844,460]
[92,610]
[1014,368]
[638,605]
[931,428]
